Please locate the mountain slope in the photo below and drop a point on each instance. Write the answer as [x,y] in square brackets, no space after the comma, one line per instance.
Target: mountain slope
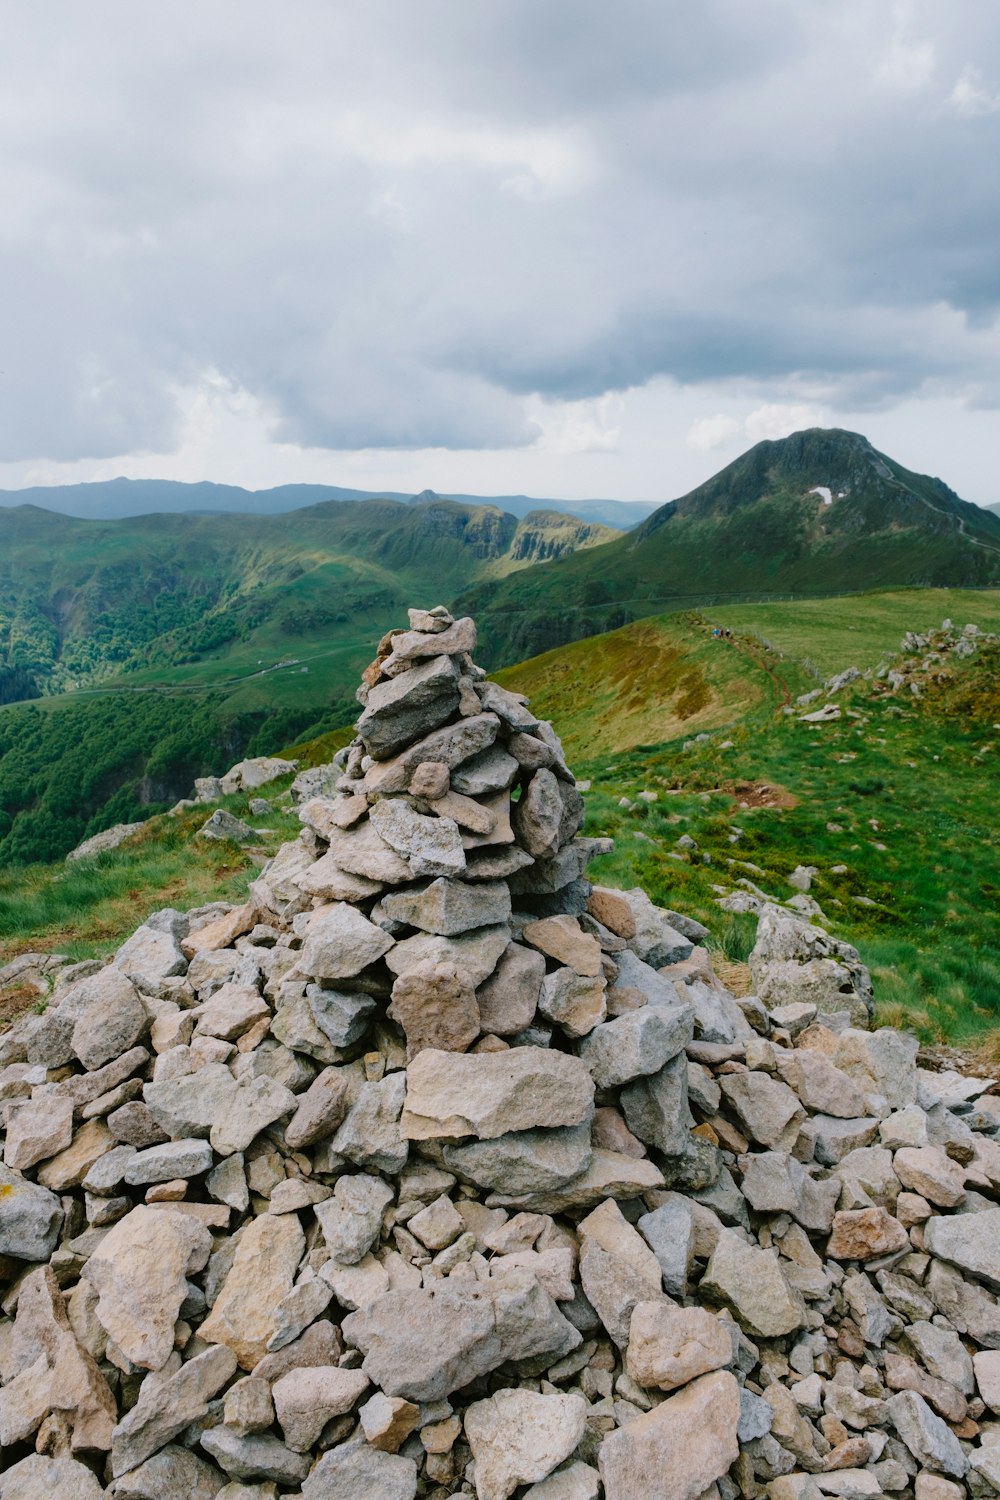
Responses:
[81,601]
[818,512]
[119,499]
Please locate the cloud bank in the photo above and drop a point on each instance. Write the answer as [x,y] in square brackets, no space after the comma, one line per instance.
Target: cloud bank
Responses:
[418,225]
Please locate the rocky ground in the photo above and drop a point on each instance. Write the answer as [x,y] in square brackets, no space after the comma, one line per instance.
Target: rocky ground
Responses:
[436,1170]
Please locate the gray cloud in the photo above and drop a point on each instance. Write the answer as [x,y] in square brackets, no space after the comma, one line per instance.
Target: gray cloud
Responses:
[392,222]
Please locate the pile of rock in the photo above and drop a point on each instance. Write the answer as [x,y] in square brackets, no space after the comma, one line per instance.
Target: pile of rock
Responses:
[436,1170]
[930,658]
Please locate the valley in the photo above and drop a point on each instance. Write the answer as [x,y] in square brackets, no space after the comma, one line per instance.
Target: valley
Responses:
[709,789]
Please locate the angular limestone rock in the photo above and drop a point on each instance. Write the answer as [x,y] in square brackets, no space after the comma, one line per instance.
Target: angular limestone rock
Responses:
[436,1006]
[752,1283]
[140,1272]
[262,1273]
[679,1449]
[408,707]
[488,1095]
[423,1344]
[340,942]
[669,1346]
[518,1437]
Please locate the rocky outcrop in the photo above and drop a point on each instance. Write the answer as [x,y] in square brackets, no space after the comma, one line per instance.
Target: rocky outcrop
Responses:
[434,1169]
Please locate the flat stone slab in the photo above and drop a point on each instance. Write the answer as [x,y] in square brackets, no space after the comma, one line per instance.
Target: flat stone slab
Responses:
[491,1094]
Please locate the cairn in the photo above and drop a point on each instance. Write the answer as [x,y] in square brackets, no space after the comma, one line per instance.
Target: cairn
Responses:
[436,1170]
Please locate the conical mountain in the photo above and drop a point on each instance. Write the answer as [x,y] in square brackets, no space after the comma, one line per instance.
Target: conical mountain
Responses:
[819,512]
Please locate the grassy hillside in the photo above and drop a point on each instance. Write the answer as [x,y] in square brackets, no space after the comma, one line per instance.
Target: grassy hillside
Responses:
[893,804]
[196,599]
[759,528]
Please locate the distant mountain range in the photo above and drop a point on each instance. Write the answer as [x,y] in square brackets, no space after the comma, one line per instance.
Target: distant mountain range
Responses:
[819,512]
[118,499]
[84,600]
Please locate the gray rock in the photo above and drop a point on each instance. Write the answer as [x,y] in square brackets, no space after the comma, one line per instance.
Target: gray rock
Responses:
[929,1439]
[172,1472]
[164,1163]
[617,1269]
[408,707]
[491,770]
[37,1129]
[255,1455]
[227,1183]
[458,747]
[752,1283]
[104,842]
[104,1016]
[353,1470]
[40,1478]
[491,1094]
[319,1111]
[305,1400]
[969,1241]
[339,942]
[767,1110]
[476,953]
[655,940]
[256,1104]
[362,851]
[966,1305]
[140,1271]
[636,1044]
[679,1449]
[423,1344]
[882,1063]
[509,997]
[342,1016]
[756,1417]
[224,828]
[351,1220]
[525,1161]
[943,1354]
[30,1218]
[134,1124]
[574,1002]
[794,962]
[371,1135]
[656,1107]
[430,845]
[450,907]
[108,1171]
[634,974]
[831,1139]
[867,1309]
[168,1400]
[611,1174]
[669,1233]
[149,956]
[190,1105]
[538,815]
[575,1481]
[518,1437]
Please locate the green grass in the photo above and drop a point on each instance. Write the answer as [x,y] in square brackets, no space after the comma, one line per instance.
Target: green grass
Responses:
[918,840]
[87,909]
[858,631]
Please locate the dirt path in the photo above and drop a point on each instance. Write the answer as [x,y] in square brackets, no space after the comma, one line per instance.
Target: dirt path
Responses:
[750,647]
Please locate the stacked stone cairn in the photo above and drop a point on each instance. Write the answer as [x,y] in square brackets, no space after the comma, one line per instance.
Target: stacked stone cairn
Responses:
[435,1170]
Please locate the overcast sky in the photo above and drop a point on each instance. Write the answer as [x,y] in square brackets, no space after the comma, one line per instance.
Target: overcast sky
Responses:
[566,247]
